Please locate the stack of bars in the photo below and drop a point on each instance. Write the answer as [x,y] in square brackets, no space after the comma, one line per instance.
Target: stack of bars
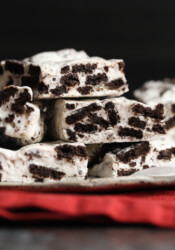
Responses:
[61,118]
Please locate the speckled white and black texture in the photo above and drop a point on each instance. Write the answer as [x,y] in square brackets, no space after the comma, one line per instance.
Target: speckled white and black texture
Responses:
[105,121]
[123,160]
[44,162]
[66,73]
[21,121]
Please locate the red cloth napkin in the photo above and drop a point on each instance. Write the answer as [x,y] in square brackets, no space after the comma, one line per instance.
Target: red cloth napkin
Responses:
[153,207]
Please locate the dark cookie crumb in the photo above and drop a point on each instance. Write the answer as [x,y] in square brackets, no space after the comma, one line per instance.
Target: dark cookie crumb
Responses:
[6,94]
[170,123]
[30,81]
[166,154]
[115,84]
[139,149]
[82,113]
[10,118]
[34,70]
[98,120]
[132,164]
[18,105]
[85,128]
[96,79]
[109,105]
[42,88]
[136,122]
[68,152]
[84,90]
[85,68]
[65,69]
[14,67]
[114,118]
[38,179]
[32,154]
[106,68]
[156,113]
[44,172]
[70,106]
[71,134]
[157,128]
[70,80]
[145,166]
[124,131]
[58,90]
[126,172]
[10,81]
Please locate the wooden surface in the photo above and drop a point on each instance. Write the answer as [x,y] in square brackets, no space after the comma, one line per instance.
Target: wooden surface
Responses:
[84,238]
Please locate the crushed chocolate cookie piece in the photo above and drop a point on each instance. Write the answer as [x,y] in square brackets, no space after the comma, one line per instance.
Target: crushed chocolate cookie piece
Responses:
[2,131]
[80,135]
[18,105]
[14,67]
[71,134]
[69,151]
[115,84]
[109,105]
[136,122]
[156,113]
[70,80]
[140,149]
[6,94]
[44,172]
[166,154]
[30,81]
[42,88]
[58,90]
[39,179]
[96,79]
[32,154]
[170,123]
[84,90]
[34,70]
[85,68]
[145,166]
[82,113]
[138,134]
[132,164]
[121,66]
[1,70]
[126,172]
[98,120]
[65,69]
[114,118]
[85,128]
[106,68]
[158,129]
[10,118]
[70,106]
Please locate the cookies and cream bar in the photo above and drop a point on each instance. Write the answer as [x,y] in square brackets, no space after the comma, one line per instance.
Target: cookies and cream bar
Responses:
[44,162]
[65,73]
[104,121]
[123,160]
[154,92]
[21,122]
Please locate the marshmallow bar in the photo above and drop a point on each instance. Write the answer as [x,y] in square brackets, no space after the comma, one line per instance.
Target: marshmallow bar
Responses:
[104,121]
[44,162]
[154,92]
[125,160]
[21,122]
[65,73]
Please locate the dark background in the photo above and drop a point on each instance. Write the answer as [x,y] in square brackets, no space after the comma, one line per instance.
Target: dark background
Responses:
[140,32]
